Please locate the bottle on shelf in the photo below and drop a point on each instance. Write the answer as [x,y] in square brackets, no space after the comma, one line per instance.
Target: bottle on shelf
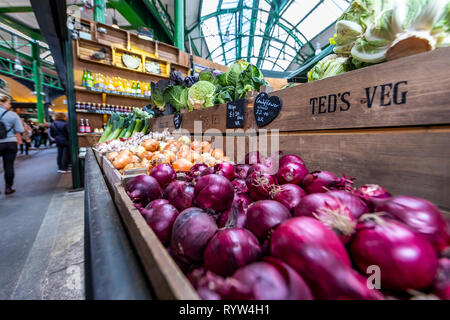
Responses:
[83,78]
[87,127]
[138,88]
[82,127]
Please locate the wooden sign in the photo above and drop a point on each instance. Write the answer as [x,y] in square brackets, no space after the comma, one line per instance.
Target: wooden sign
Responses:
[177,119]
[236,113]
[266,108]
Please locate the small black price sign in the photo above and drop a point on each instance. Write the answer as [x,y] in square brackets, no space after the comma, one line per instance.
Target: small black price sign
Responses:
[266,108]
[177,118]
[236,113]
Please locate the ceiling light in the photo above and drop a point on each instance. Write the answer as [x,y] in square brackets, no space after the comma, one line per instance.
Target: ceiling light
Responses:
[18,65]
[114,21]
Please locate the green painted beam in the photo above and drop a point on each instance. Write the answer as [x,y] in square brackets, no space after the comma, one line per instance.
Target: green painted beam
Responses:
[239,29]
[138,15]
[13,23]
[275,9]
[179,24]
[37,77]
[153,6]
[99,11]
[254,19]
[16,9]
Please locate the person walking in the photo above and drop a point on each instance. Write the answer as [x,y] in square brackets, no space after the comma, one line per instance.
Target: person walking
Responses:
[36,137]
[11,129]
[43,134]
[59,130]
[26,138]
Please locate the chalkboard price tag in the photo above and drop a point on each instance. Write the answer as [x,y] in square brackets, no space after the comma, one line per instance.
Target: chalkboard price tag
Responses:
[266,108]
[177,118]
[236,113]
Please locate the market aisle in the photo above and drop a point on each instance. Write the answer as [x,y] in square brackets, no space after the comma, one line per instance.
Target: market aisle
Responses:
[41,233]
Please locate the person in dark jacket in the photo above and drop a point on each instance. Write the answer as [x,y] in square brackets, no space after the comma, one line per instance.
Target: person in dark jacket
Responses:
[59,130]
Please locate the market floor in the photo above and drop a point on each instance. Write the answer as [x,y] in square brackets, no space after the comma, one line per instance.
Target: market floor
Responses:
[41,232]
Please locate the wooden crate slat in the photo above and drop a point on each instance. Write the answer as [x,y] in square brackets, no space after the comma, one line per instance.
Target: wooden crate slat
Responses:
[167,279]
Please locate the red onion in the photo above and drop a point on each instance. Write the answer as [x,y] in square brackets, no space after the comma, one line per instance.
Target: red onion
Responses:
[441,285]
[356,206]
[292,234]
[180,194]
[214,193]
[225,169]
[291,158]
[327,276]
[372,192]
[196,171]
[241,170]
[209,170]
[268,280]
[320,181]
[289,195]
[239,186]
[143,189]
[421,216]
[230,249]
[259,182]
[209,286]
[406,259]
[330,211]
[156,203]
[164,173]
[191,232]
[236,216]
[161,218]
[264,215]
[291,172]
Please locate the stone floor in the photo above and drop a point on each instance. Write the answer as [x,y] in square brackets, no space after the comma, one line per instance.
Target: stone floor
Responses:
[41,233]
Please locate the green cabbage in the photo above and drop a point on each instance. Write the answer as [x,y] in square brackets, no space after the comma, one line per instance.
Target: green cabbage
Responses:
[329,66]
[233,72]
[177,96]
[201,95]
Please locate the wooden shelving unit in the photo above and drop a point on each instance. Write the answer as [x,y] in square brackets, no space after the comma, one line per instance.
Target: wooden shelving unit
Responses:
[116,42]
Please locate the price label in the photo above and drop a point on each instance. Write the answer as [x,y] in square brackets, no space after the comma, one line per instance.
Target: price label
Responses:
[236,113]
[266,108]
[177,119]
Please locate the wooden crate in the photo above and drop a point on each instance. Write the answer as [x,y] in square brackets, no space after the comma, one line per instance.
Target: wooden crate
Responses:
[387,124]
[113,176]
[167,279]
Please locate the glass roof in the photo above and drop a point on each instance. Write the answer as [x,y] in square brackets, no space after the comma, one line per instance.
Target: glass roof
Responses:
[267,33]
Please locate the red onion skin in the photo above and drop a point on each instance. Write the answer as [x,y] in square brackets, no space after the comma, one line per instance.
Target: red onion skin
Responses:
[260,183]
[356,206]
[253,157]
[143,189]
[161,218]
[241,171]
[180,194]
[268,280]
[372,193]
[291,158]
[324,272]
[421,216]
[330,211]
[230,249]
[191,233]
[214,193]
[292,234]
[196,171]
[441,286]
[406,259]
[225,169]
[239,186]
[264,215]
[291,173]
[319,181]
[289,195]
[209,170]
[164,173]
[242,215]
[184,266]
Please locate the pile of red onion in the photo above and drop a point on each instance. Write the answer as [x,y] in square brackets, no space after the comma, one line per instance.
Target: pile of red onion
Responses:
[270,229]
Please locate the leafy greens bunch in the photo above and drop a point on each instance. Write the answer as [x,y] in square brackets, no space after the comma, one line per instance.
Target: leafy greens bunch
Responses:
[124,126]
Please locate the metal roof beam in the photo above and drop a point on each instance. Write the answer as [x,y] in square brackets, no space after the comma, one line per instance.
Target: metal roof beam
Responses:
[26,30]
[16,9]
[254,19]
